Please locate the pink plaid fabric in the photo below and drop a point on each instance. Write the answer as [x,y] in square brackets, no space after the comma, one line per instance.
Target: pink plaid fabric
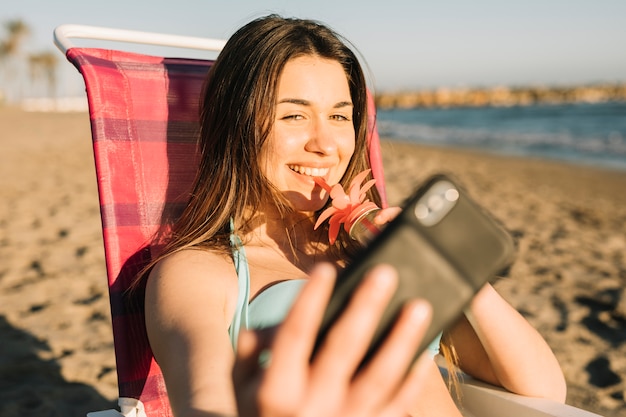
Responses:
[144,121]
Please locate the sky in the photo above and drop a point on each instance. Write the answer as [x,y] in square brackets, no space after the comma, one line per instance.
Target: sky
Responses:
[410,44]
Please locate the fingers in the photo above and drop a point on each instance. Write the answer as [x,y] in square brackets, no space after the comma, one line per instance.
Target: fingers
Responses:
[401,344]
[386,215]
[411,388]
[390,373]
[296,336]
[292,384]
[344,346]
[291,381]
[349,338]
[250,346]
[388,382]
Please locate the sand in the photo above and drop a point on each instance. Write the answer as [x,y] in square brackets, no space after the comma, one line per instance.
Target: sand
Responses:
[56,351]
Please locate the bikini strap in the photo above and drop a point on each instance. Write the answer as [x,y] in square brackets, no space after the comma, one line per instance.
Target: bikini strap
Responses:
[240,318]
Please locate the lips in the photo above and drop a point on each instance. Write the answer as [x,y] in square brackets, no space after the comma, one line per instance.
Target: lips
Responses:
[309,171]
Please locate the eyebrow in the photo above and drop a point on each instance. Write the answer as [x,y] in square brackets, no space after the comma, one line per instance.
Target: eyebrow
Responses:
[303,102]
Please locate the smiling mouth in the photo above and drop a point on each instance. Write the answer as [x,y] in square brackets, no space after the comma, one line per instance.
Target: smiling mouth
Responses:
[309,171]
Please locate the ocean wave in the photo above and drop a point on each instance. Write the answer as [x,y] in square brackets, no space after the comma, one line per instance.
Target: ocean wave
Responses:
[593,133]
[604,150]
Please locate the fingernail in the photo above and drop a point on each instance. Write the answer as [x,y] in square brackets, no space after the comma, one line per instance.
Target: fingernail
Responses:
[382,280]
[384,277]
[419,310]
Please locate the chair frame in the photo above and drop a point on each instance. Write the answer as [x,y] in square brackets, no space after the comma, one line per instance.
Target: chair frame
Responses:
[64,34]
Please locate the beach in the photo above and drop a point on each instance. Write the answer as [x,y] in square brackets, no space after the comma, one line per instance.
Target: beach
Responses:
[56,354]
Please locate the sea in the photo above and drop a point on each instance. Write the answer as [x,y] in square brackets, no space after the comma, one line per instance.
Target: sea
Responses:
[589,134]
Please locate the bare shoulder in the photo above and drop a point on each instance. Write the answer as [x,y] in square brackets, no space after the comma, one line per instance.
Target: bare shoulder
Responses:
[190,262]
[192,280]
[190,300]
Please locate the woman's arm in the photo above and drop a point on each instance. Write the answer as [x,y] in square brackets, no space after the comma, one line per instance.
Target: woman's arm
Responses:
[189,306]
[496,344]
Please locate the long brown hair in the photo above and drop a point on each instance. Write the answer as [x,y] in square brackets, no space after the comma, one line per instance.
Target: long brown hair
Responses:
[237,110]
[236,114]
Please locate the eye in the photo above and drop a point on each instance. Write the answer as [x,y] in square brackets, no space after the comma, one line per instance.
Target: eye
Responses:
[340,117]
[293,117]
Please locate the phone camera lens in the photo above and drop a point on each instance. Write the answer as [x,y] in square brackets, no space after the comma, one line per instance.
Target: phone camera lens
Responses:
[421,211]
[452,194]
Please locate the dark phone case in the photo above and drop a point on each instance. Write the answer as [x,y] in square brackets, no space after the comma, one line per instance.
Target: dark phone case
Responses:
[445,262]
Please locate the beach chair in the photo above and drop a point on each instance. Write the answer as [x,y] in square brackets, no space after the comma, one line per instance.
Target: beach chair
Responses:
[144,121]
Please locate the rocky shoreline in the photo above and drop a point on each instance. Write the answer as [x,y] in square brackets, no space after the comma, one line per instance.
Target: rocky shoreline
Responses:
[501,96]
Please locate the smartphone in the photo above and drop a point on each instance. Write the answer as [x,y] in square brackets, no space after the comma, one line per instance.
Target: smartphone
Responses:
[444,246]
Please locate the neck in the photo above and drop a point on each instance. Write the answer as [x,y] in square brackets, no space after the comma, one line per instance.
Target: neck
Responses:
[291,235]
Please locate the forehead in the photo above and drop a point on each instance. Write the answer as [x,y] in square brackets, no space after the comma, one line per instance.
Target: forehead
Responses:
[312,72]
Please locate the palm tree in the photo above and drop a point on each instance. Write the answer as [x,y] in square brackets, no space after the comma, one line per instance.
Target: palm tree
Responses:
[43,65]
[10,48]
[17,31]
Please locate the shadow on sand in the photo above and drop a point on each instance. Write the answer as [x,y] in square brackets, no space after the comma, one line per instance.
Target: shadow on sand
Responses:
[31,386]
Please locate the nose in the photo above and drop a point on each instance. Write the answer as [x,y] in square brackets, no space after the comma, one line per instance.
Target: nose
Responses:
[321,140]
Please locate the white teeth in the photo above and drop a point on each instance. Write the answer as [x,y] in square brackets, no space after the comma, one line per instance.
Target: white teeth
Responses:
[309,171]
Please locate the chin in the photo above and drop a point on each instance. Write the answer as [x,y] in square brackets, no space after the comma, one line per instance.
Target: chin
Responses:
[307,204]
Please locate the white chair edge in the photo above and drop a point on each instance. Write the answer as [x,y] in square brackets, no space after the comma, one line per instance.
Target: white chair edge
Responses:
[129,407]
[484,400]
[64,34]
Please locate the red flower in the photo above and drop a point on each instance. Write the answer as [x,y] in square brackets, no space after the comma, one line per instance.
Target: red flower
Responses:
[346,208]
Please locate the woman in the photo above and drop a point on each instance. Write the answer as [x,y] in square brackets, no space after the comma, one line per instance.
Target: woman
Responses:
[286,102]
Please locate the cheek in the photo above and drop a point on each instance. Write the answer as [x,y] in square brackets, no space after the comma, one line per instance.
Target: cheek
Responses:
[347,149]
[282,143]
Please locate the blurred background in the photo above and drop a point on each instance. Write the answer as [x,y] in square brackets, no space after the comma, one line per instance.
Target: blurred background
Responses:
[544,80]
[407,45]
[532,78]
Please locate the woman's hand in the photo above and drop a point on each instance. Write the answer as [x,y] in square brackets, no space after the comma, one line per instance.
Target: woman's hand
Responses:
[386,215]
[291,384]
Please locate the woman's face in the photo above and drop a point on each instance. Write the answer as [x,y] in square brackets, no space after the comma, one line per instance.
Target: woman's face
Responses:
[312,134]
